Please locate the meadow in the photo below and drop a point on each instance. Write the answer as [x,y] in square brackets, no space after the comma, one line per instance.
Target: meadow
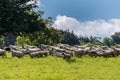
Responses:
[51,68]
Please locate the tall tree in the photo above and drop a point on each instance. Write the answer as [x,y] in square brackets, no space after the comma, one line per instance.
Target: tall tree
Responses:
[116,38]
[20,16]
[108,41]
[70,38]
[91,39]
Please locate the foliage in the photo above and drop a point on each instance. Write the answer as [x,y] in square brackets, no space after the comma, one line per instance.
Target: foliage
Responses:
[48,36]
[53,36]
[116,38]
[2,39]
[83,39]
[94,44]
[91,39]
[70,38]
[108,41]
[20,16]
[22,40]
[49,22]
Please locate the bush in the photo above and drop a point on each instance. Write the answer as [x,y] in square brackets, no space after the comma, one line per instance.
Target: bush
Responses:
[94,44]
[21,41]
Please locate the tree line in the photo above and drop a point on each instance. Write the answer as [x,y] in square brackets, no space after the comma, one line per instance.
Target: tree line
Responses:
[21,23]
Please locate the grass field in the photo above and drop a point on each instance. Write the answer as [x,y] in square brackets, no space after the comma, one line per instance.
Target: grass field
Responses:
[50,68]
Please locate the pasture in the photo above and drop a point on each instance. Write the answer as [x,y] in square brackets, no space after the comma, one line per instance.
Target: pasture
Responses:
[51,68]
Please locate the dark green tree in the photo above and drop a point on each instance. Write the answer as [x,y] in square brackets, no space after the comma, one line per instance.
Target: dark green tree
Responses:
[90,39]
[20,16]
[116,38]
[108,42]
[48,36]
[70,38]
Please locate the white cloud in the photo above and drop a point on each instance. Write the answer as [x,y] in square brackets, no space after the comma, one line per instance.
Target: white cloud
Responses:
[37,2]
[99,28]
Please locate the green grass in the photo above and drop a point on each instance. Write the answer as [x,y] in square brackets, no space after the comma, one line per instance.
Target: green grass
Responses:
[50,68]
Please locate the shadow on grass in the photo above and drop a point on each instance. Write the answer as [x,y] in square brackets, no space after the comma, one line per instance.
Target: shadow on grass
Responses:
[70,60]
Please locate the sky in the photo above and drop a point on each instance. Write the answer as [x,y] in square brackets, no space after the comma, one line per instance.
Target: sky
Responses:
[99,18]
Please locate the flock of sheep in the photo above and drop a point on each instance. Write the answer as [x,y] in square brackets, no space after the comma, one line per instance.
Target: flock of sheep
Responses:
[64,51]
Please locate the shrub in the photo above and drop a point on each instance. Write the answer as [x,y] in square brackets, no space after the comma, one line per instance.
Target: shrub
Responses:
[21,41]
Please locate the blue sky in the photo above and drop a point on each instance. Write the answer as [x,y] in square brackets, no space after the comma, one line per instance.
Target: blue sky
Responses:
[82,9]
[87,17]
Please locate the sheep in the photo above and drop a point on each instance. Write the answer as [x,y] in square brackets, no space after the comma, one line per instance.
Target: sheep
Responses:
[25,51]
[7,48]
[18,48]
[66,56]
[95,51]
[116,51]
[15,47]
[28,46]
[45,47]
[60,50]
[104,47]
[43,53]
[109,53]
[3,53]
[16,53]
[33,49]
[69,52]
[86,50]
[38,54]
[92,53]
[57,54]
[63,50]
[34,54]
[62,45]
[79,52]
[57,49]
[117,45]
[100,53]
[51,52]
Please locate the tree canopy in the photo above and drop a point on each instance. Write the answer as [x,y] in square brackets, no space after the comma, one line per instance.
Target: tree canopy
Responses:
[20,16]
[70,38]
[116,38]
[108,41]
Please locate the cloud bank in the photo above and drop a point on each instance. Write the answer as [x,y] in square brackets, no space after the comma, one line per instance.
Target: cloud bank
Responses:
[99,28]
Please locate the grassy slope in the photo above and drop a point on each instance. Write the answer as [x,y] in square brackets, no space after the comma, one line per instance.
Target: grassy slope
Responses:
[50,68]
